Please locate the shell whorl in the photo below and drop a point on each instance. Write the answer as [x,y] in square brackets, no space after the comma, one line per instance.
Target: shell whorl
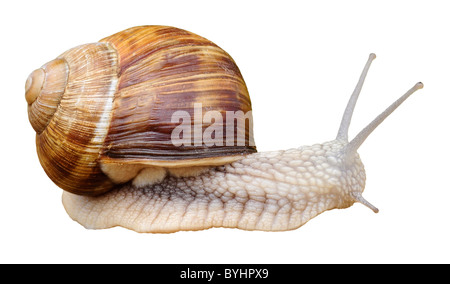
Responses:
[166,70]
[44,89]
[70,144]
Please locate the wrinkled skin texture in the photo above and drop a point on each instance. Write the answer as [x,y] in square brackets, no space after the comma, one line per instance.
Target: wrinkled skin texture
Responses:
[271,191]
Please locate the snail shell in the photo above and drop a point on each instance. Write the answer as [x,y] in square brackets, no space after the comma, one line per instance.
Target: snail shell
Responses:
[103,111]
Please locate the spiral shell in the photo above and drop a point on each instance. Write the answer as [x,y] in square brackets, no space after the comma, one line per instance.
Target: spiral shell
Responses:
[111,104]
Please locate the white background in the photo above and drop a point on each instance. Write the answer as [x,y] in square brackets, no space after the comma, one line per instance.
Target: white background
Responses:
[301,61]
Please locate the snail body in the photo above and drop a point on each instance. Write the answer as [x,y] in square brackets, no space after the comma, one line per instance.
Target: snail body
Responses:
[270,191]
[107,117]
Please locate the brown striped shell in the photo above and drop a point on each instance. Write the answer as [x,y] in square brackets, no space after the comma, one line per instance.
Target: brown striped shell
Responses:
[109,107]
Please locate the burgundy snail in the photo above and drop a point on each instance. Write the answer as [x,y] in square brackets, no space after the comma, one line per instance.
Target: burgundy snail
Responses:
[113,131]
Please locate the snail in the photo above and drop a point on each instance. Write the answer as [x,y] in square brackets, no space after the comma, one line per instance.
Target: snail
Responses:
[151,129]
